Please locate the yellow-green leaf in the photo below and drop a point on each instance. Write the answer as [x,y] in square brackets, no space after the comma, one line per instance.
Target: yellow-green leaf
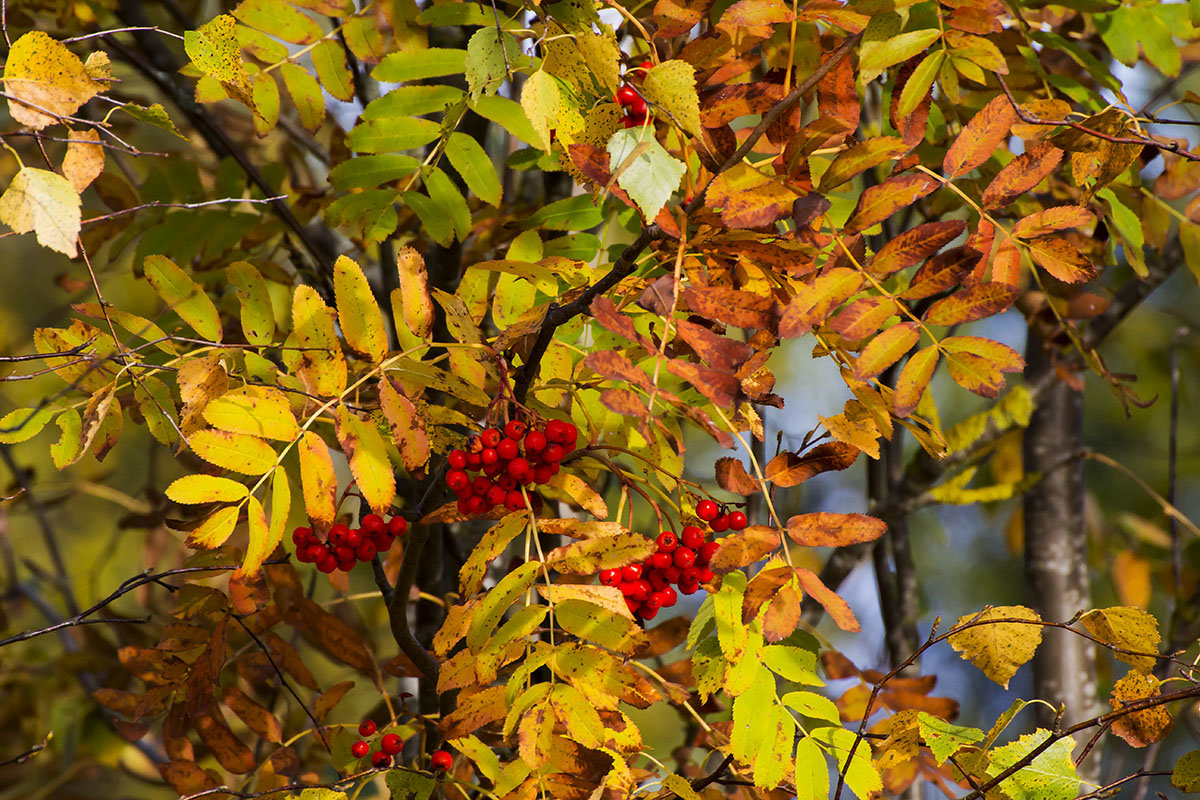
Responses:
[812,771]
[23,424]
[592,623]
[67,449]
[214,49]
[358,313]
[306,94]
[540,100]
[492,544]
[236,452]
[46,203]
[998,648]
[258,317]
[593,555]
[329,59]
[369,463]
[497,601]
[199,489]
[324,366]
[184,296]
[215,530]
[672,87]
[578,490]
[1127,628]
[254,410]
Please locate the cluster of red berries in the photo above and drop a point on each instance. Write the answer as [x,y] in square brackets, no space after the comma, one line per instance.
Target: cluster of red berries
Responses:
[719,518]
[633,103]
[390,745]
[519,455]
[346,546]
[681,560]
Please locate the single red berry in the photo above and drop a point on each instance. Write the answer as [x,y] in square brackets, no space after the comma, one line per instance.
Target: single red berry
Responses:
[476,504]
[457,480]
[371,523]
[553,453]
[492,470]
[338,533]
[301,536]
[654,601]
[626,95]
[457,459]
[354,538]
[610,577]
[507,482]
[441,760]
[397,526]
[688,588]
[508,449]
[658,579]
[572,436]
[365,551]
[667,542]
[689,575]
[490,437]
[706,552]
[367,727]
[543,472]
[738,521]
[473,461]
[631,572]
[383,542]
[638,107]
[684,557]
[672,574]
[380,759]
[496,495]
[343,553]
[647,612]
[514,429]
[480,485]
[535,442]
[628,122]
[360,749]
[489,455]
[707,510]
[302,554]
[556,431]
[316,551]
[520,470]
[661,560]
[628,588]
[707,575]
[634,605]
[514,500]
[642,589]
[669,597]
[692,537]
[464,505]
[720,524]
[391,744]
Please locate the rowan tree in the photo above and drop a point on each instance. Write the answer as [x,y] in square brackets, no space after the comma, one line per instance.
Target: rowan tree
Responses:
[392,342]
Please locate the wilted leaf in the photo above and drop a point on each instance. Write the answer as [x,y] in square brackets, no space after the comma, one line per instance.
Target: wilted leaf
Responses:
[1149,725]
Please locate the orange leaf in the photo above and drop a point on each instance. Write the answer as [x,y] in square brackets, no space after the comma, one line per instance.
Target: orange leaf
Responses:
[837,608]
[783,613]
[914,377]
[886,349]
[914,245]
[877,203]
[942,272]
[825,529]
[815,300]
[1006,264]
[971,304]
[624,402]
[761,588]
[837,96]
[1021,174]
[1053,219]
[732,477]
[747,198]
[743,548]
[1139,728]
[719,352]
[754,18]
[719,388]
[1002,356]
[975,373]
[616,367]
[980,138]
[676,17]
[863,317]
[1061,259]
[730,306]
[789,469]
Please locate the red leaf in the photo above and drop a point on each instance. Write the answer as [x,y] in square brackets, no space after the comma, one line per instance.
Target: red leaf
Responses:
[606,313]
[914,377]
[615,366]
[720,388]
[790,469]
[825,529]
[886,349]
[980,138]
[971,304]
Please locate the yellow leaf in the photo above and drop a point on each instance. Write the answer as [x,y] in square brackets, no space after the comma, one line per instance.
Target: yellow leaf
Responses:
[672,87]
[415,305]
[998,648]
[1126,628]
[261,543]
[45,81]
[593,555]
[318,479]
[184,296]
[258,317]
[214,49]
[358,313]
[84,160]
[601,626]
[198,489]
[324,366]
[583,495]
[281,503]
[606,597]
[215,530]
[367,453]
[253,410]
[236,452]
[46,203]
[541,102]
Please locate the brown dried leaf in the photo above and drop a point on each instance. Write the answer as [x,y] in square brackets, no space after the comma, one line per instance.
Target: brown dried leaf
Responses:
[732,477]
[837,608]
[827,529]
[1021,174]
[878,203]
[1139,728]
[791,469]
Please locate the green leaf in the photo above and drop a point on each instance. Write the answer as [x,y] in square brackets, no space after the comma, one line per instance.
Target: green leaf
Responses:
[644,168]
[23,424]
[593,623]
[497,601]
[370,213]
[486,67]
[46,203]
[811,704]
[153,114]
[415,65]
[1050,776]
[879,54]
[471,161]
[366,172]
[329,60]
[183,295]
[570,214]
[1186,774]
[279,20]
[412,101]
[944,739]
[406,785]
[770,761]
[455,14]
[509,115]
[812,771]
[386,135]
[793,664]
[916,88]
[449,199]
[67,449]
[672,86]
[1129,226]
[258,317]
[306,94]
[732,633]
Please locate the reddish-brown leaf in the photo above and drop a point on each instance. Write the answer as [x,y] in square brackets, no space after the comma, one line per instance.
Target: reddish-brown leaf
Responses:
[1053,219]
[971,304]
[837,608]
[473,711]
[186,778]
[877,203]
[616,367]
[914,245]
[863,317]
[739,100]
[837,667]
[913,379]
[754,18]
[256,717]
[980,138]
[837,97]
[605,312]
[732,477]
[625,402]
[814,301]
[900,699]
[719,387]
[1061,259]
[826,529]
[286,656]
[748,199]
[329,698]
[761,588]
[975,373]
[677,17]
[1021,174]
[859,158]
[790,469]
[719,352]
[229,750]
[1002,356]
[941,273]
[783,613]
[743,548]
[912,125]
[886,349]
[202,681]
[336,638]
[730,306]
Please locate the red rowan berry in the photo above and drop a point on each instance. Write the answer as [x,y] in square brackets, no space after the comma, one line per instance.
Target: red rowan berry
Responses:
[457,480]
[490,437]
[354,538]
[631,572]
[507,449]
[365,551]
[514,429]
[738,521]
[391,744]
[441,760]
[397,526]
[535,442]
[684,557]
[661,560]
[359,749]
[514,500]
[720,524]
[707,551]
[380,759]
[301,536]
[626,95]
[667,542]
[367,727]
[371,523]
[610,577]
[707,510]
[692,537]
[338,533]
[489,455]
[457,459]
[669,597]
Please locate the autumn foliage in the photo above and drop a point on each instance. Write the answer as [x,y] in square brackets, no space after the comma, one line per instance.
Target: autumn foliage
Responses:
[428,313]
